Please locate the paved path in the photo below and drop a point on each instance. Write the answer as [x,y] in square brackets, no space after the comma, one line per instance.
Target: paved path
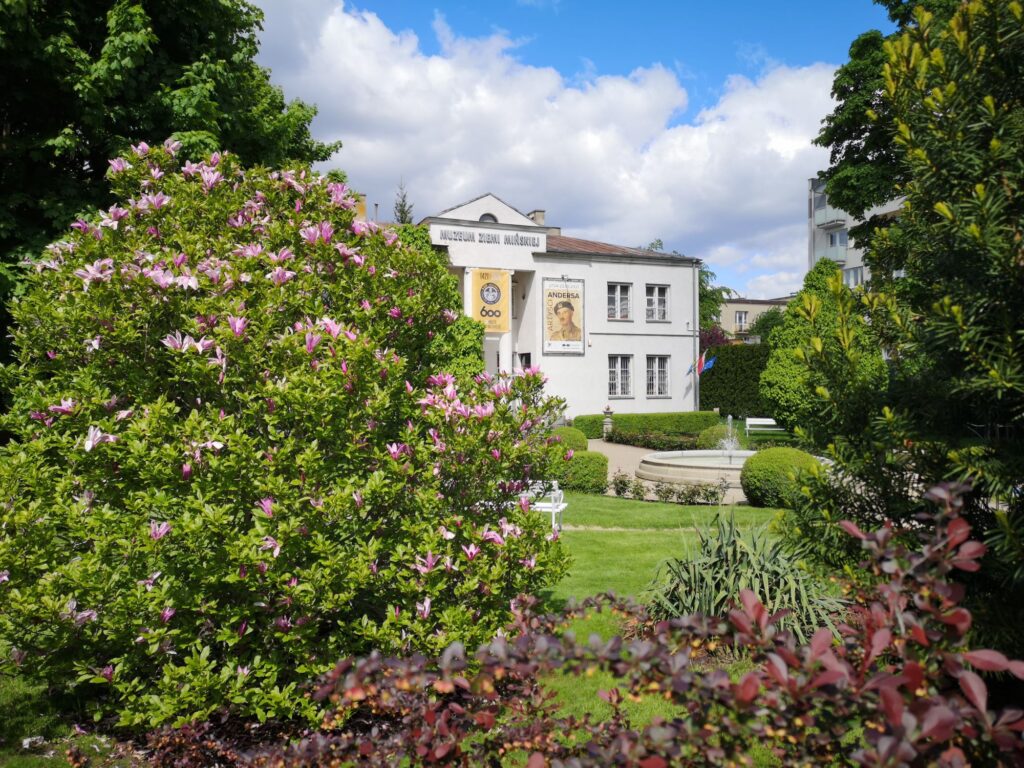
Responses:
[625,458]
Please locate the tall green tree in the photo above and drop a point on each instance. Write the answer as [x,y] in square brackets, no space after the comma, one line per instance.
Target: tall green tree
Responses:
[947,297]
[865,168]
[80,81]
[403,208]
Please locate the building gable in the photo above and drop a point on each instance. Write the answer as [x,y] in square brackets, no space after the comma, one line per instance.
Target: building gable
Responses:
[487,209]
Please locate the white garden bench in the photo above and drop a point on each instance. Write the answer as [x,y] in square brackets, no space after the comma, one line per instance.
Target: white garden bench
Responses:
[547,497]
[762,425]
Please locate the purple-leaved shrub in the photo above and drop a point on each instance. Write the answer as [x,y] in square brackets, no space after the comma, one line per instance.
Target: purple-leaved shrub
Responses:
[236,458]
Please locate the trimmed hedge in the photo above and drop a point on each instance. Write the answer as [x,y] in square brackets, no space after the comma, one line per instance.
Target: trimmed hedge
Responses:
[768,476]
[571,438]
[586,472]
[657,441]
[678,423]
[591,425]
[732,385]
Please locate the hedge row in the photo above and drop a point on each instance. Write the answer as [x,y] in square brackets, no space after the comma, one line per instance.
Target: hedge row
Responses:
[586,472]
[732,385]
[679,423]
[656,441]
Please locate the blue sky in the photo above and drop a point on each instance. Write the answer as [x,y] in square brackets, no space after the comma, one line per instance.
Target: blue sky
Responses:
[702,42]
[689,122]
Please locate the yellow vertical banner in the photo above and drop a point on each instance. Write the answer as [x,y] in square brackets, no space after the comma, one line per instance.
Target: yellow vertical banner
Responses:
[492,289]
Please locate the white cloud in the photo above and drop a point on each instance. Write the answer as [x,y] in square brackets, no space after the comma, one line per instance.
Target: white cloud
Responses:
[601,153]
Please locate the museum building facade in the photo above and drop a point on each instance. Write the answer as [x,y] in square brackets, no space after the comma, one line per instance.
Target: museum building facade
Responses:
[607,324]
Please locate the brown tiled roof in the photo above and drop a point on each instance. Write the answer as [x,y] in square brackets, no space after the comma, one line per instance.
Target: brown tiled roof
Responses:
[562,244]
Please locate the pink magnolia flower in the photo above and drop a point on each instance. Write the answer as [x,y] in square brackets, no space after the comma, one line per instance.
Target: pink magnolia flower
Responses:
[186,280]
[395,450]
[359,228]
[125,414]
[270,544]
[493,536]
[119,165]
[175,341]
[141,149]
[186,471]
[446,534]
[281,256]
[569,454]
[210,178]
[279,276]
[167,614]
[158,530]
[312,339]
[242,671]
[471,551]
[509,530]
[107,673]
[267,505]
[283,623]
[395,312]
[449,564]
[529,562]
[553,536]
[423,609]
[390,237]
[171,146]
[148,583]
[113,217]
[190,169]
[95,436]
[180,259]
[350,335]
[156,202]
[357,497]
[5,576]
[66,407]
[524,503]
[331,327]
[426,564]
[237,325]
[99,271]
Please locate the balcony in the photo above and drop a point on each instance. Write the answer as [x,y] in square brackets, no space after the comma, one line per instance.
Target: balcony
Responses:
[828,217]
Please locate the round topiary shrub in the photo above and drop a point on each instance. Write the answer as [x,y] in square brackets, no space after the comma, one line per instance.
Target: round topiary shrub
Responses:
[571,438]
[711,438]
[236,456]
[767,477]
[586,472]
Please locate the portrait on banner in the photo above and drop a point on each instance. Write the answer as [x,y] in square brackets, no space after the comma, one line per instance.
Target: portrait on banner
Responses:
[563,308]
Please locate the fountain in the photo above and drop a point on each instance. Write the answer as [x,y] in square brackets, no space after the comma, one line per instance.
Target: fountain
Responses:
[708,466]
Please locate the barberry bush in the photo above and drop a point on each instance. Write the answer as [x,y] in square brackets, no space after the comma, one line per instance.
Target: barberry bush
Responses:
[899,686]
[237,457]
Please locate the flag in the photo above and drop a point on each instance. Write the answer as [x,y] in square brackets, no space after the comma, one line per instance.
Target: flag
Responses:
[709,363]
[701,363]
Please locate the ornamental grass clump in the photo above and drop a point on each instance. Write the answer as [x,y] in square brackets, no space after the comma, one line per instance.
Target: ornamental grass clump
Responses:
[236,455]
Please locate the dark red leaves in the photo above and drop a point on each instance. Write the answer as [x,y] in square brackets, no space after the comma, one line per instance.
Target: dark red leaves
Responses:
[986,660]
[974,689]
[938,723]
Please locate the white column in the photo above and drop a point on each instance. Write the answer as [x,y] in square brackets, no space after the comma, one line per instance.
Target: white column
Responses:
[505,351]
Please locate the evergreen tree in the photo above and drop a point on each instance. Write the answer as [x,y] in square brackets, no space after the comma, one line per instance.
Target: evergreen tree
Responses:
[403,208]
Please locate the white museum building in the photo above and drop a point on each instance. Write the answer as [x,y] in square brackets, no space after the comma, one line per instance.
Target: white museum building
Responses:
[607,324]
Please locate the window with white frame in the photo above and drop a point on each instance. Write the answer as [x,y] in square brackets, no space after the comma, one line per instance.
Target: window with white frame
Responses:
[619,378]
[618,301]
[657,375]
[853,276]
[657,302]
[741,321]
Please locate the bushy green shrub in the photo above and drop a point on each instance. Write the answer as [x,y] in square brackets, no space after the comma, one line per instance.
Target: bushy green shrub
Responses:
[728,562]
[591,425]
[586,472]
[768,477]
[701,493]
[234,459]
[571,438]
[733,385]
[638,489]
[621,483]
[664,492]
[712,437]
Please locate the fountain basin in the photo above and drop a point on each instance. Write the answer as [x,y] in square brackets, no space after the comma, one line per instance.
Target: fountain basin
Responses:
[695,467]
